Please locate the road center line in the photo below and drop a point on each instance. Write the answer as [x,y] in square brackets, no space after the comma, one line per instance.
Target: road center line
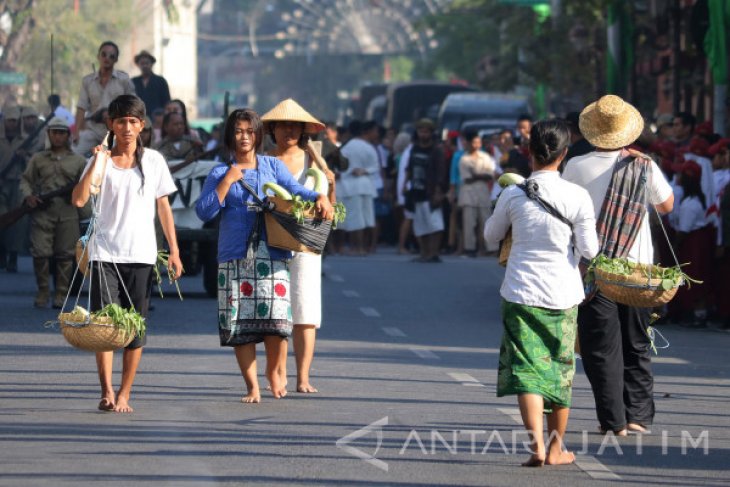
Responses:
[424,353]
[594,468]
[335,277]
[669,360]
[370,312]
[349,293]
[393,331]
[461,377]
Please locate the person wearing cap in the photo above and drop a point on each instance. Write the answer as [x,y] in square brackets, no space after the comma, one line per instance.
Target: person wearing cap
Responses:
[357,190]
[152,88]
[614,345]
[12,165]
[425,185]
[289,126]
[98,89]
[30,124]
[54,227]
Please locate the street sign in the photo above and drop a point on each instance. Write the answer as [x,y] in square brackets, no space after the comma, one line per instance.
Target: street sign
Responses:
[11,78]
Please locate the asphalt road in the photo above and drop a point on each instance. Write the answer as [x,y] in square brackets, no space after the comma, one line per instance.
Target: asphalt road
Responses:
[406,367]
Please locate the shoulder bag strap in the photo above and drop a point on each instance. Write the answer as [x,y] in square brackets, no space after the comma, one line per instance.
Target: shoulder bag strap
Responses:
[531,189]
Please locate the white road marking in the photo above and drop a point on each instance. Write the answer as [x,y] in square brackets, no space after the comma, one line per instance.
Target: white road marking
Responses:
[393,331]
[424,353]
[594,468]
[512,413]
[349,293]
[669,360]
[461,377]
[335,277]
[589,464]
[370,312]
[472,384]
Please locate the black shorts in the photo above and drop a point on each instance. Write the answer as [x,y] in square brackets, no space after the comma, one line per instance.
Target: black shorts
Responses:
[106,288]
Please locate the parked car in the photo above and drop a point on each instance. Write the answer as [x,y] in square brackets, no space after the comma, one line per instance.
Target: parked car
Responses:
[458,108]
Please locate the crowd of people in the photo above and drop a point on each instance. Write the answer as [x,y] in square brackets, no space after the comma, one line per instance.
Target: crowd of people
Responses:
[425,196]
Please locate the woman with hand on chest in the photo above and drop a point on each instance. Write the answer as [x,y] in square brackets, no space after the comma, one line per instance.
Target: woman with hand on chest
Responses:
[253,278]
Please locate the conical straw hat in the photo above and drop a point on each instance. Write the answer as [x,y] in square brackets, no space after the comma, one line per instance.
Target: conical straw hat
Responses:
[610,123]
[291,111]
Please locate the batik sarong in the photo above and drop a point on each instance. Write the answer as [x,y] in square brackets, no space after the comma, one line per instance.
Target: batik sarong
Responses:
[253,299]
[536,355]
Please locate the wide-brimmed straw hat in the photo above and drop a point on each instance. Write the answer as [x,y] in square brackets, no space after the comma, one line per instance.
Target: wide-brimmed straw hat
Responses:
[291,111]
[611,123]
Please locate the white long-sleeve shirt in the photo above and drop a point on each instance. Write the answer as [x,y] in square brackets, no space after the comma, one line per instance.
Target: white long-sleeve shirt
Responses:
[543,267]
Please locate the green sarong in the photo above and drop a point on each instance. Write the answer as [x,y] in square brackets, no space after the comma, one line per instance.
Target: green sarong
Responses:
[537,352]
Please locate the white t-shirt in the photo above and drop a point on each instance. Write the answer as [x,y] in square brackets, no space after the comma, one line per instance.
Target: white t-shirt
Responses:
[707,181]
[125,221]
[593,172]
[362,155]
[691,215]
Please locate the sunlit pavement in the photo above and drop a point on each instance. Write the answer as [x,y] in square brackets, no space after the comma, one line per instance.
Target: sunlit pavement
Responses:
[406,367]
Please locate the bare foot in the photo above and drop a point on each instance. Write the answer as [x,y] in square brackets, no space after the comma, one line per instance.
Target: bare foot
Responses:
[106,404]
[252,397]
[306,387]
[534,461]
[622,432]
[638,428]
[561,458]
[122,405]
[277,386]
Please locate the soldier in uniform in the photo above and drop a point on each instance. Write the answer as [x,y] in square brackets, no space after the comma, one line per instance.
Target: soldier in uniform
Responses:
[12,164]
[55,223]
[97,91]
[175,145]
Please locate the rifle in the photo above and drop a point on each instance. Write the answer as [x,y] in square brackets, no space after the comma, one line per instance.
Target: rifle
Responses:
[25,145]
[12,216]
[189,160]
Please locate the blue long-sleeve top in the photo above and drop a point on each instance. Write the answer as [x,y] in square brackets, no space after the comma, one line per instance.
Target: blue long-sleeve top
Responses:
[237,220]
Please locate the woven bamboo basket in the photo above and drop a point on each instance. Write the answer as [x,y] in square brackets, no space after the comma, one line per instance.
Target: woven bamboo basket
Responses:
[635,289]
[505,246]
[98,336]
[277,235]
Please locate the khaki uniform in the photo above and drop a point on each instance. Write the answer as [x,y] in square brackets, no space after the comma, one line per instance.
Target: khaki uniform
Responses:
[179,149]
[14,237]
[55,227]
[92,98]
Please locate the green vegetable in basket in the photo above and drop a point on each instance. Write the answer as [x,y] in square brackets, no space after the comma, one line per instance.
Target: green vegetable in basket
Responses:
[277,190]
[671,277]
[127,320]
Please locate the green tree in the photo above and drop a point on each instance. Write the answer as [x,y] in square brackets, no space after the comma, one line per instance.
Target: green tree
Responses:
[501,46]
[76,38]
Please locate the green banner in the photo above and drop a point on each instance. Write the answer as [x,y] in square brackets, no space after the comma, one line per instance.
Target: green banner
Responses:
[11,78]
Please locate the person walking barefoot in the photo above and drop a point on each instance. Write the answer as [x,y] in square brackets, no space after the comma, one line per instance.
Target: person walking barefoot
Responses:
[289,126]
[551,220]
[254,303]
